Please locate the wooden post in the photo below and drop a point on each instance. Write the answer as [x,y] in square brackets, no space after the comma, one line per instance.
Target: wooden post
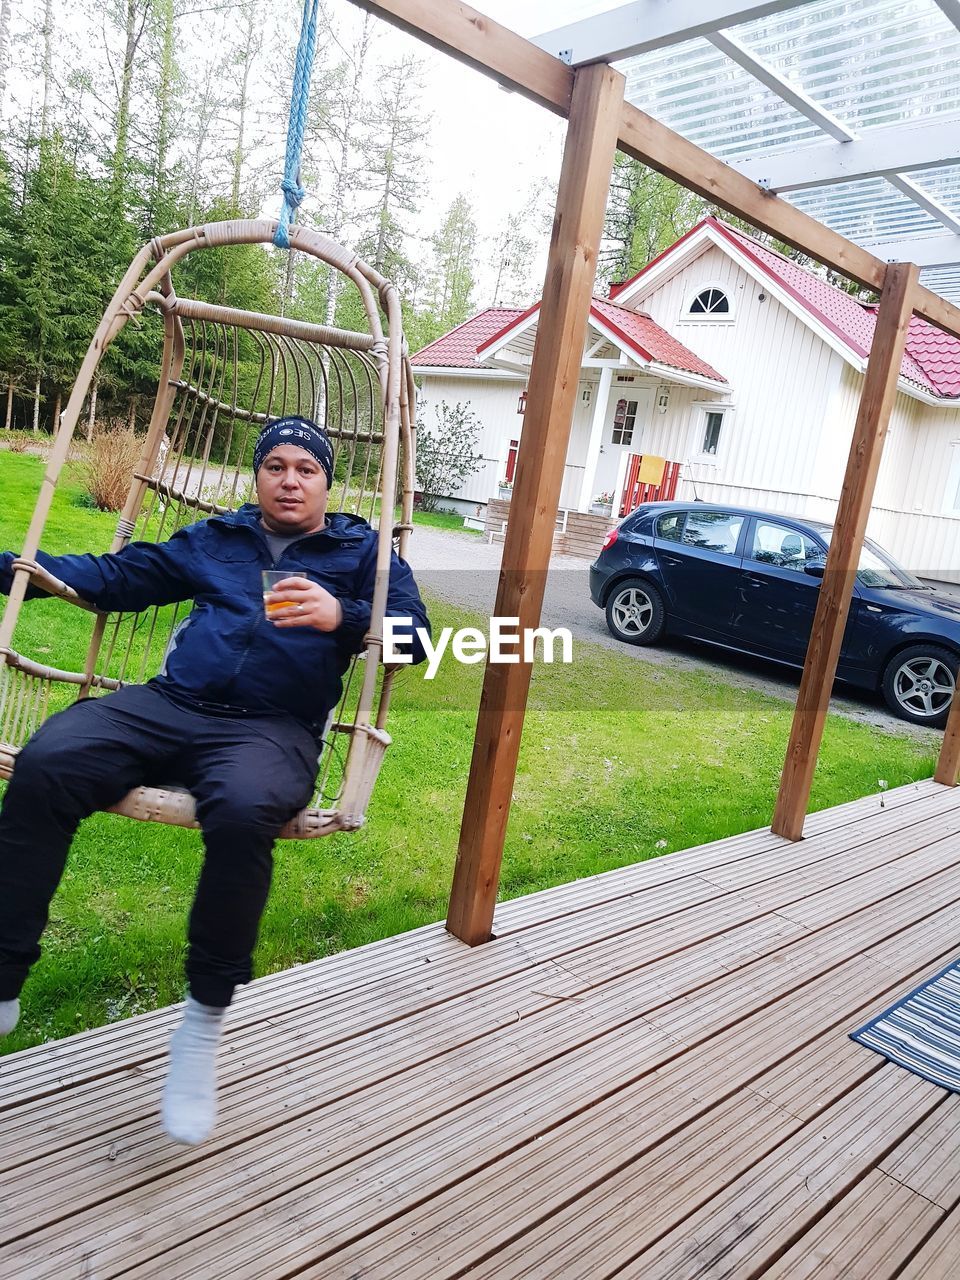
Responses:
[833,605]
[948,761]
[9,422]
[36,407]
[554,374]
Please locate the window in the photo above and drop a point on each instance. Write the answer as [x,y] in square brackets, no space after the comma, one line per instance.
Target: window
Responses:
[710,302]
[951,499]
[624,419]
[713,531]
[711,433]
[785,548]
[670,527]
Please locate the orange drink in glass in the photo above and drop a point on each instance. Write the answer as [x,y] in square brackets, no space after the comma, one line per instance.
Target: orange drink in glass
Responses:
[270,579]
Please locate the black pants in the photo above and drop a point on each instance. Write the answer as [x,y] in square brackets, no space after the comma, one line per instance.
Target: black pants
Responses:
[248,777]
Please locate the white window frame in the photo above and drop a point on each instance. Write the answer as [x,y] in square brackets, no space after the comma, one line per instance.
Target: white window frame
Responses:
[707,317]
[951,493]
[621,444]
[700,428]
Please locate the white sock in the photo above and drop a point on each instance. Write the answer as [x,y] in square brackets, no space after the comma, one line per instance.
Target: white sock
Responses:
[189,1107]
[9,1013]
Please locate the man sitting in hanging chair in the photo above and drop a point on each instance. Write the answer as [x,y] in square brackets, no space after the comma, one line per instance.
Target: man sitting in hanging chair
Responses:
[235,716]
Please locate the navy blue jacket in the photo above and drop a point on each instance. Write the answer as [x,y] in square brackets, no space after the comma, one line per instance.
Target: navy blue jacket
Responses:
[226,651]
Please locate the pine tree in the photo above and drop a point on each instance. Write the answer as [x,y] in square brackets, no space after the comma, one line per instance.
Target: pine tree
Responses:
[394,164]
[454,248]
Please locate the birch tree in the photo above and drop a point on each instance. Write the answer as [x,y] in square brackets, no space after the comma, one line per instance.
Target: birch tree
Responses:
[251,42]
[646,213]
[6,7]
[47,37]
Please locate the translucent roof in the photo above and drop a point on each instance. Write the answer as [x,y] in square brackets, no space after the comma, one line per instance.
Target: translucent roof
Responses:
[799,86]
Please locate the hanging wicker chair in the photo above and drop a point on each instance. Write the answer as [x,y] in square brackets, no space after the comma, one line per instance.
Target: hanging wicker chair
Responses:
[224,372]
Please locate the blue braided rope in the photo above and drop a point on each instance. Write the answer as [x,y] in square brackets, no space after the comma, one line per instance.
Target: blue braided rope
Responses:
[293,192]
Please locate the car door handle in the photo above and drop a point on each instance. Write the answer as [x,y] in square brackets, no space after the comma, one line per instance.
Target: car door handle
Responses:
[672,559]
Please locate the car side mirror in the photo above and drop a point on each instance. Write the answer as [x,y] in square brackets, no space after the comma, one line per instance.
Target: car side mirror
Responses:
[813,569]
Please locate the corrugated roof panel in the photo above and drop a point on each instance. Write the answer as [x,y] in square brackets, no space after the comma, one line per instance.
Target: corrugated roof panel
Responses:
[869,63]
[695,89]
[869,210]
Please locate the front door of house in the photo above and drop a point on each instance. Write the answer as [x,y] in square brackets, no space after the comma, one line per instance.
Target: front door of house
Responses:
[628,415]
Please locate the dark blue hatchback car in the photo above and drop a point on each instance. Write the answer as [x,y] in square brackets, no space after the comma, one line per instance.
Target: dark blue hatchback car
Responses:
[748,581]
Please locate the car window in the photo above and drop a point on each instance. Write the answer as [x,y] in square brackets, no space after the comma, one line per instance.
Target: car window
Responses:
[877,568]
[713,531]
[670,526]
[783,547]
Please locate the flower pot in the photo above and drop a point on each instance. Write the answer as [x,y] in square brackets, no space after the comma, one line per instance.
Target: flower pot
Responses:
[505,492]
[601,508]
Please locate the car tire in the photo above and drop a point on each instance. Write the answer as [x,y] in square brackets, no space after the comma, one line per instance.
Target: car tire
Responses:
[635,612]
[919,682]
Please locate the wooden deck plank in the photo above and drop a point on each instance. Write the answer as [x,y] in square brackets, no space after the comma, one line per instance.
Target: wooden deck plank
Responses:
[649,1185]
[929,1161]
[738,1232]
[936,1259]
[676,1171]
[528,1116]
[869,1233]
[343,1112]
[543,1170]
[875,812]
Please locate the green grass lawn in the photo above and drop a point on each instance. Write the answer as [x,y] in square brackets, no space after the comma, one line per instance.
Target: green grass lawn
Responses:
[620,761]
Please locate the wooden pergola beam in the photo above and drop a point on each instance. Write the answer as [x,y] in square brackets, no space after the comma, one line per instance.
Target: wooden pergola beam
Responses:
[568,289]
[515,63]
[836,590]
[473,38]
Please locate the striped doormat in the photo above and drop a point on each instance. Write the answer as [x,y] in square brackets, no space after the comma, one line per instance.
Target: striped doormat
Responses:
[922,1031]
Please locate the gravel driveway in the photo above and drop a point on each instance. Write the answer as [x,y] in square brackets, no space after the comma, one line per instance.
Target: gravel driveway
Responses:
[463,569]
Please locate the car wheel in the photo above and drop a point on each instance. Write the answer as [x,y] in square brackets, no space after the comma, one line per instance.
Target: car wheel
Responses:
[918,684]
[635,612]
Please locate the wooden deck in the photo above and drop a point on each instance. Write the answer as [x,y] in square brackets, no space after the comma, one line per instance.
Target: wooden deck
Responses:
[646,1075]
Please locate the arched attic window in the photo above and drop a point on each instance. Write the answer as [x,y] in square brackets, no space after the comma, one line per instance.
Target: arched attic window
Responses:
[712,302]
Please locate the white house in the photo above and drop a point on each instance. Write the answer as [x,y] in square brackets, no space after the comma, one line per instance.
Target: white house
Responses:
[727,372]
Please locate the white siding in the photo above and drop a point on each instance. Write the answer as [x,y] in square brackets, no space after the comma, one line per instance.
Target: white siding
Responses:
[494,401]
[921,471]
[783,379]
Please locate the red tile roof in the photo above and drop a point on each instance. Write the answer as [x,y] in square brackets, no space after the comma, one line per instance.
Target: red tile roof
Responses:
[937,353]
[458,348]
[650,341]
[850,320]
[637,331]
[931,359]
